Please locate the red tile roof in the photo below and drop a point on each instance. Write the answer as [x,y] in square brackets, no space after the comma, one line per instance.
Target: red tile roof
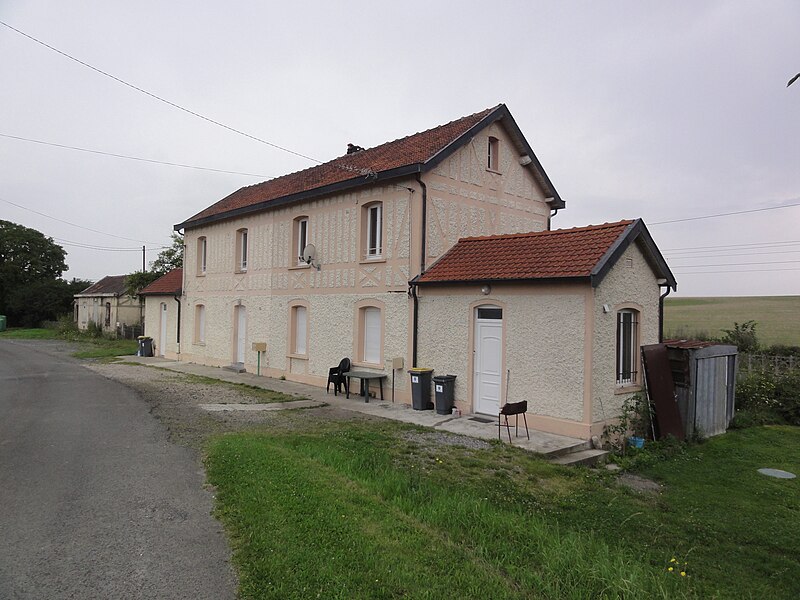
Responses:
[111,284]
[359,167]
[561,253]
[166,285]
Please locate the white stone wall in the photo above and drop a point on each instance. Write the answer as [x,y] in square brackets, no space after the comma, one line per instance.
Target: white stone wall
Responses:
[332,322]
[467,199]
[152,324]
[630,282]
[543,330]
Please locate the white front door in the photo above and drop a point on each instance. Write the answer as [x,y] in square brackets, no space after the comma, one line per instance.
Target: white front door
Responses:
[488,360]
[162,338]
[241,331]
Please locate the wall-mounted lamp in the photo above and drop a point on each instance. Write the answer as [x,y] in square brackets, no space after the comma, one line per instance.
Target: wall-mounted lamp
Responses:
[606,308]
[525,160]
[486,289]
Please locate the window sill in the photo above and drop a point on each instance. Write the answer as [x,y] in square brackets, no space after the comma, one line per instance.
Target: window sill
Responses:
[367,261]
[296,267]
[198,343]
[628,388]
[240,271]
[298,356]
[493,171]
[367,365]
[203,274]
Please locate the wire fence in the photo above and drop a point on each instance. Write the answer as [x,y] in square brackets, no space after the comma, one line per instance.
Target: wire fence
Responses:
[751,363]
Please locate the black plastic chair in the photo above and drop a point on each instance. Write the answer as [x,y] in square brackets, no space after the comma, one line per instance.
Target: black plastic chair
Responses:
[513,408]
[337,378]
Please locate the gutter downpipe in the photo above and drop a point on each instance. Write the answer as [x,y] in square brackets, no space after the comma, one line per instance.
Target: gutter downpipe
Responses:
[412,288]
[661,313]
[178,340]
[552,214]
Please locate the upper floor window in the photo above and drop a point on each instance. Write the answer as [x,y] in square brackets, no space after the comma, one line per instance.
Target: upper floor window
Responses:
[372,230]
[241,250]
[493,154]
[202,247]
[627,347]
[300,240]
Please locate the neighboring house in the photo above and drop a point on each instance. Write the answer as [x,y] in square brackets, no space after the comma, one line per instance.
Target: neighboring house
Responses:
[325,263]
[553,317]
[107,304]
[162,313]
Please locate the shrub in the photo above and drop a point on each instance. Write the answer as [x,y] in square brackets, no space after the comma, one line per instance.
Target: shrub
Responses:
[763,397]
[742,335]
[94,330]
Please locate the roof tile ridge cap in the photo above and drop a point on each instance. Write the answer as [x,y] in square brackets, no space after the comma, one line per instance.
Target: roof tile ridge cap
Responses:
[480,113]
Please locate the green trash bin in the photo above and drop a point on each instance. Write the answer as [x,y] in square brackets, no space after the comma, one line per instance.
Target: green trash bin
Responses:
[2,322]
[421,389]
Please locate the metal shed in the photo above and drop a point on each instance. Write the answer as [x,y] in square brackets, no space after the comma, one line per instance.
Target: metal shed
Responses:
[704,374]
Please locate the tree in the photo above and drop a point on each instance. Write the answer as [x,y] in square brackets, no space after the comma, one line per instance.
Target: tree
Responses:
[26,256]
[742,335]
[169,258]
[43,300]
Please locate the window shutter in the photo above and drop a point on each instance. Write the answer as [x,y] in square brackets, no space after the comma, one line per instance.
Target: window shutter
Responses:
[372,335]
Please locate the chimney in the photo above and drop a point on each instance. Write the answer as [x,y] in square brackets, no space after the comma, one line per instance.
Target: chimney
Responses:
[352,148]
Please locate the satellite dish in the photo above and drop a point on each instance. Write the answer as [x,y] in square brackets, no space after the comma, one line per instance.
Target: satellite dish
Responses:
[309,255]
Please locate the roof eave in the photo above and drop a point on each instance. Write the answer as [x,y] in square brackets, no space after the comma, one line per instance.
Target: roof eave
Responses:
[501,113]
[636,231]
[571,279]
[305,195]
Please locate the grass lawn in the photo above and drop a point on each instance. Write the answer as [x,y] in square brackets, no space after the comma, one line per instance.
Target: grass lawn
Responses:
[778,317]
[90,347]
[376,511]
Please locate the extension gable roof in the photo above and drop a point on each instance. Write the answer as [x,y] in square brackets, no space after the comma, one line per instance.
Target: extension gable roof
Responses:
[413,154]
[169,284]
[578,253]
[111,285]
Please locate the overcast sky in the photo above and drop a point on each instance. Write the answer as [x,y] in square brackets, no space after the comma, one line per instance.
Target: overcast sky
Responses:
[660,110]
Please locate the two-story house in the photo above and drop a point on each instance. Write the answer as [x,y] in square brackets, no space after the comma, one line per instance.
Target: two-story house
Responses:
[333,261]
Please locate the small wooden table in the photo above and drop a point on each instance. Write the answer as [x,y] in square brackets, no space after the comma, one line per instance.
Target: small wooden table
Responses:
[365,376]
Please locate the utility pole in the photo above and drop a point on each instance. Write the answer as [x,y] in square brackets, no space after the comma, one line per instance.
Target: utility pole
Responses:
[142,259]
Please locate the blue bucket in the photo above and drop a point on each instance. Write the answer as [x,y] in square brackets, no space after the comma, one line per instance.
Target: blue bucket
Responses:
[636,442]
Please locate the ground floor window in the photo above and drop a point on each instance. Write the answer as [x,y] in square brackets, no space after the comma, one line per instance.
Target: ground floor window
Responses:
[627,346]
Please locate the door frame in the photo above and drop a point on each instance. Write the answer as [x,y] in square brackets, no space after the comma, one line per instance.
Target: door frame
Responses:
[473,318]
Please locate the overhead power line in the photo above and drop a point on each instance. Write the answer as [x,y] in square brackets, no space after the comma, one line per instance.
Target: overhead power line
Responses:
[738,212]
[704,256]
[365,172]
[774,262]
[732,246]
[683,274]
[120,237]
[149,160]
[106,248]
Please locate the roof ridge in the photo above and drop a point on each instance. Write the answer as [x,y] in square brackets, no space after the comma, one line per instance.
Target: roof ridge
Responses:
[500,236]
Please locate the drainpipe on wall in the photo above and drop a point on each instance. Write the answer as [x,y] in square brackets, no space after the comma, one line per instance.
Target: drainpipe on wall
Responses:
[412,289]
[178,336]
[550,216]
[661,311]
[412,292]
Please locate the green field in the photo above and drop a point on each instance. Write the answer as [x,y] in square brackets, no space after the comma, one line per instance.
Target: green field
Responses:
[778,317]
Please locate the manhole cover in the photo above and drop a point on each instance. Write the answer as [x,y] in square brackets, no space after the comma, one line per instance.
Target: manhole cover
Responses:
[777,473]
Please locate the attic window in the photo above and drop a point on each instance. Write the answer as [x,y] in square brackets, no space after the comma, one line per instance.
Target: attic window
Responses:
[493,154]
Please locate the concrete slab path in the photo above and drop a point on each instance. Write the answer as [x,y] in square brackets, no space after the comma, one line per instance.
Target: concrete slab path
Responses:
[541,442]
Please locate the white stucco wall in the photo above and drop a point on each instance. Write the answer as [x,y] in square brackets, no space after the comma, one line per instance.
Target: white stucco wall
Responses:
[543,331]
[152,324]
[630,283]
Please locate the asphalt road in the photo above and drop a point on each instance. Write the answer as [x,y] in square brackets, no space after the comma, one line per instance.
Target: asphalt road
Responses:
[95,502]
